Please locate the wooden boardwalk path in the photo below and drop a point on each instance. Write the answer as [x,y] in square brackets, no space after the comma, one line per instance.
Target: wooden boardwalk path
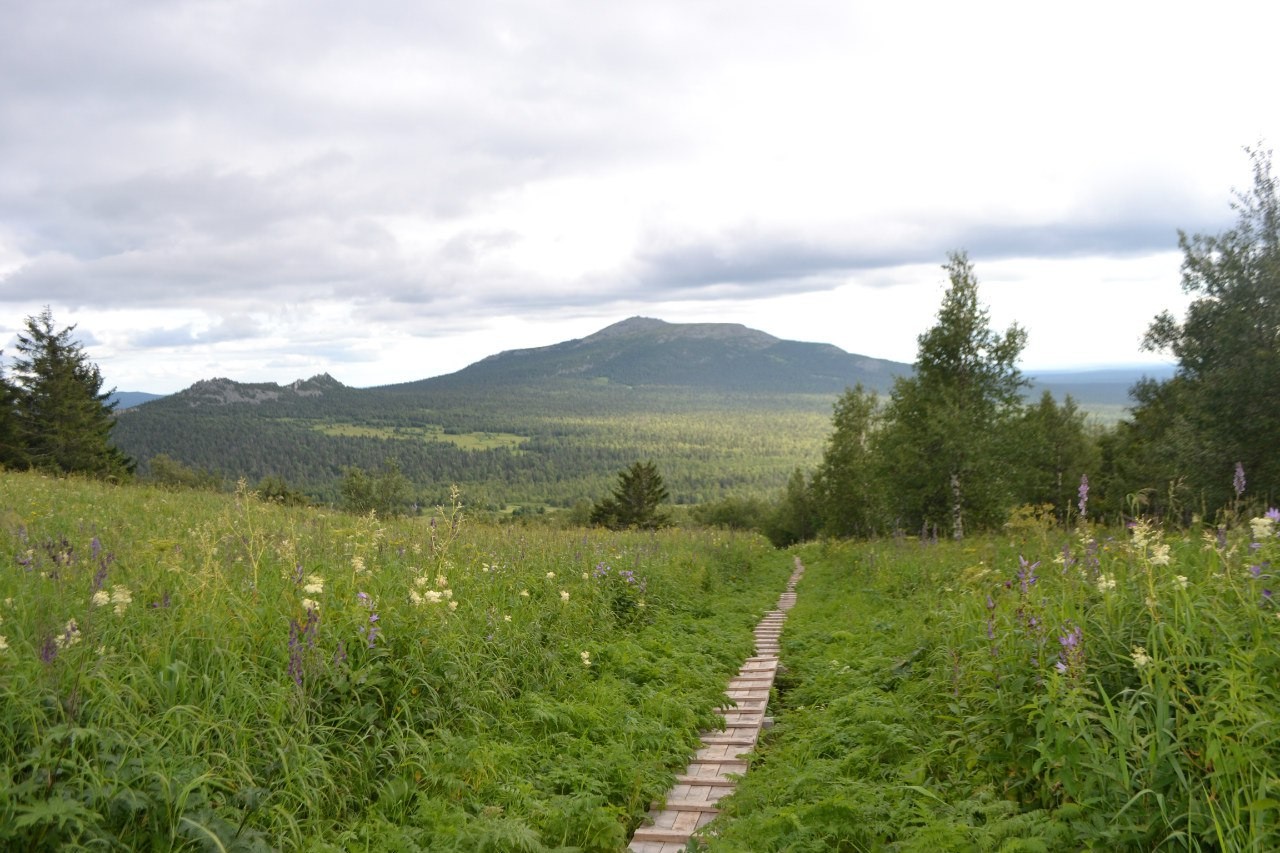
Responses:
[691,802]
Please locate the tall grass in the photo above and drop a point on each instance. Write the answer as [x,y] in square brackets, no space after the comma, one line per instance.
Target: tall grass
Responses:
[1105,689]
[204,672]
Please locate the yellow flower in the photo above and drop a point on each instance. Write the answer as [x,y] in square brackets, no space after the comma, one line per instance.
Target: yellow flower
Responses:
[586,658]
[551,574]
[524,593]
[1140,657]
[506,617]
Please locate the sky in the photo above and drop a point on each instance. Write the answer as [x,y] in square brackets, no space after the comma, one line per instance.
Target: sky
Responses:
[385,191]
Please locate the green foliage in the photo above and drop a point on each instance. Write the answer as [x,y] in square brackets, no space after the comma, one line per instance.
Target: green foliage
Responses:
[948,425]
[847,486]
[194,670]
[1053,451]
[60,415]
[164,470]
[734,514]
[635,502]
[1049,690]
[385,492]
[796,517]
[1219,409]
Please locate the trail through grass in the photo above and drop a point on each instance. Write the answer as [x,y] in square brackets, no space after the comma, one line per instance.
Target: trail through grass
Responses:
[204,672]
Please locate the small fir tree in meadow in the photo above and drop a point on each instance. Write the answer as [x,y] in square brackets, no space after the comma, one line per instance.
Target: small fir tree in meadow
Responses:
[635,501]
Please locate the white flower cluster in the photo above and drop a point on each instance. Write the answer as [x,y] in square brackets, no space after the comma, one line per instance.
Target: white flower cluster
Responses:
[120,596]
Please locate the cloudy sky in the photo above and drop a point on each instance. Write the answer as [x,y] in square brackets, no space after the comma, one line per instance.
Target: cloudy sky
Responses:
[268,189]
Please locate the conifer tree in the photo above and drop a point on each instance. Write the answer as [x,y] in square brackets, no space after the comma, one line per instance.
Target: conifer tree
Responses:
[63,417]
[635,501]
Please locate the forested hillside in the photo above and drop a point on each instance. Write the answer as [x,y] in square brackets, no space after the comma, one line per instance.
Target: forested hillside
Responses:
[721,409]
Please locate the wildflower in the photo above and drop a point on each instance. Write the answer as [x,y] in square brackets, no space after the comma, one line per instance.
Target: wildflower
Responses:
[447,593]
[431,596]
[1273,514]
[1237,482]
[357,564]
[309,605]
[551,575]
[1071,653]
[421,580]
[1105,583]
[586,658]
[586,576]
[524,593]
[4,644]
[1263,527]
[453,605]
[100,598]
[506,617]
[564,595]
[1084,495]
[69,637]
[442,581]
[1140,657]
[1026,574]
[1180,581]
[1159,554]
[314,586]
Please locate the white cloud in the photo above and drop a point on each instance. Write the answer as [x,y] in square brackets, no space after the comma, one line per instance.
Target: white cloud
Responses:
[238,189]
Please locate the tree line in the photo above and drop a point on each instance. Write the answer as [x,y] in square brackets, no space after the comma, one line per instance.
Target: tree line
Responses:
[955,448]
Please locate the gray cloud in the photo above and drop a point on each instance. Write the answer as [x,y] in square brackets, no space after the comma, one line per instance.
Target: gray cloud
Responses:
[397,165]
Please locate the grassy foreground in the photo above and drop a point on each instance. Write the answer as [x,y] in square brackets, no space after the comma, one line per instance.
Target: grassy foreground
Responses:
[1102,690]
[204,672]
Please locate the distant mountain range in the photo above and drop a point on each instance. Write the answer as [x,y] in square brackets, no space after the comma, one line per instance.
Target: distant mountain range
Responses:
[641,351]
[722,408]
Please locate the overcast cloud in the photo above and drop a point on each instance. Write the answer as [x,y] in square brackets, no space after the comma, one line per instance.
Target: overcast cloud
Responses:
[392,190]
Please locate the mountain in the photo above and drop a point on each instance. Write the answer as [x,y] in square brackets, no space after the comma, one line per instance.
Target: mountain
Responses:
[129,399]
[221,392]
[715,357]
[720,408]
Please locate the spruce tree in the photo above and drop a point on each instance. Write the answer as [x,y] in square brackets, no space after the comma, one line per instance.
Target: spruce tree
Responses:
[635,500]
[63,417]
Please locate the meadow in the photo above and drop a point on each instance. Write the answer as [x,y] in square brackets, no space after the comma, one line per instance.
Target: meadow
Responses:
[186,670]
[1040,690]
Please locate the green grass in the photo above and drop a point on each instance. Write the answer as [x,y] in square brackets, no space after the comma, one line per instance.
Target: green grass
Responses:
[427,432]
[1104,691]
[226,685]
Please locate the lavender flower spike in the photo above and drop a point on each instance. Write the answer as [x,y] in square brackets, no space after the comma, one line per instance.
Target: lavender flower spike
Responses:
[1238,481]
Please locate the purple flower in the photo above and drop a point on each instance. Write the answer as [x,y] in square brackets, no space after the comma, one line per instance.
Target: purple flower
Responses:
[1071,653]
[1026,573]
[1084,495]
[1273,514]
[1238,482]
